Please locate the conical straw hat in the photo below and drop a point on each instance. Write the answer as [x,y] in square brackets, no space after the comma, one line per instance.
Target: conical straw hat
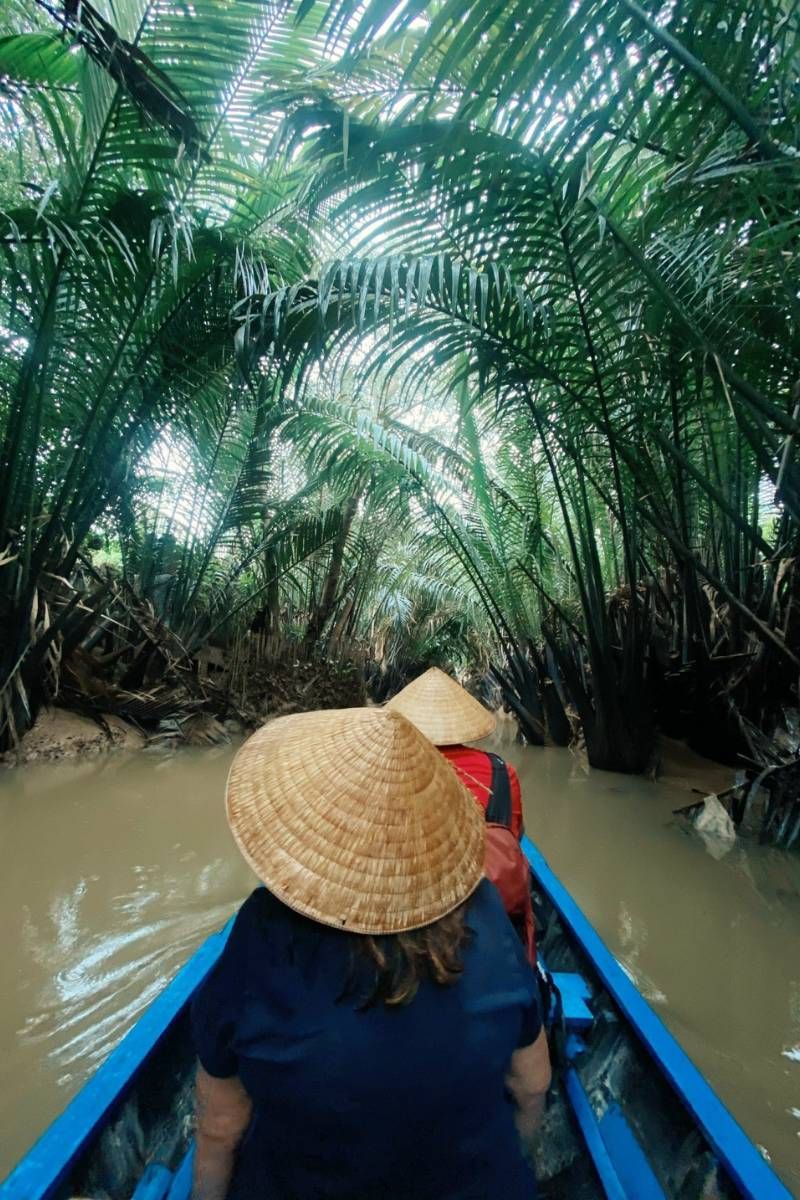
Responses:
[352,818]
[442,709]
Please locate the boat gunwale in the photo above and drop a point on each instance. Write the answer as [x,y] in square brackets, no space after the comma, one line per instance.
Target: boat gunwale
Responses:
[750,1171]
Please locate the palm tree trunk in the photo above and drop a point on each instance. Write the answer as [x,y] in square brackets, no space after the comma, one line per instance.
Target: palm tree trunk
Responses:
[323,610]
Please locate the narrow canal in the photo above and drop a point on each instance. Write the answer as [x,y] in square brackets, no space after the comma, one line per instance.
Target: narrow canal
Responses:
[113,870]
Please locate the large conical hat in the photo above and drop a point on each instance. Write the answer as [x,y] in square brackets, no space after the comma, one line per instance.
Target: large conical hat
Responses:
[443,710]
[352,818]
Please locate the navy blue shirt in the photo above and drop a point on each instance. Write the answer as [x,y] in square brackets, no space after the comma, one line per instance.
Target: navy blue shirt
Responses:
[400,1103]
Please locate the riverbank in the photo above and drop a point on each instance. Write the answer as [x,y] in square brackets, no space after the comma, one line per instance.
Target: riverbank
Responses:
[677,765]
[63,734]
[59,733]
[271,691]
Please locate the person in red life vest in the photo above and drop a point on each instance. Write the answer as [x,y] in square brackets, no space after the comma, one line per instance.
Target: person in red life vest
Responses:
[448,716]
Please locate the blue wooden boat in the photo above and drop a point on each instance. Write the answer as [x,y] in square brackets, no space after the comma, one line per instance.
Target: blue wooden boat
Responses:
[631,1117]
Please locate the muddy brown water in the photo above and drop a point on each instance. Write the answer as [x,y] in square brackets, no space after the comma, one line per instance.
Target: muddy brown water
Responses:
[112,871]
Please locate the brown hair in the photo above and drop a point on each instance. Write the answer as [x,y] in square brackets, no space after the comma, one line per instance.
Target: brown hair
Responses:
[399,962]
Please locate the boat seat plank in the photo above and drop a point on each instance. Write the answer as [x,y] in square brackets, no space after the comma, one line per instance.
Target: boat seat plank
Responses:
[575,992]
[154,1183]
[181,1188]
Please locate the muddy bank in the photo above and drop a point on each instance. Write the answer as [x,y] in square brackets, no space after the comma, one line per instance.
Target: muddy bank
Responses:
[676,765]
[271,691]
[61,734]
[274,690]
[681,767]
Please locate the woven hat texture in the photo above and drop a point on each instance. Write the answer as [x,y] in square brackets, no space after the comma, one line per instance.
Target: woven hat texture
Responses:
[443,710]
[351,817]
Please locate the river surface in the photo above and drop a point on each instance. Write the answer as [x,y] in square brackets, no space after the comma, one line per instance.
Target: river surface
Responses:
[112,871]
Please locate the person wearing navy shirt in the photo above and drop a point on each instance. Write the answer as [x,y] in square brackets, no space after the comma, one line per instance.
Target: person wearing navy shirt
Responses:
[351,1047]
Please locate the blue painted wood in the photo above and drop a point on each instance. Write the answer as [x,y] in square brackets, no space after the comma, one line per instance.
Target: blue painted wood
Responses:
[634,1171]
[574,983]
[574,991]
[587,1123]
[48,1163]
[746,1166]
[574,994]
[181,1188]
[154,1183]
[574,1046]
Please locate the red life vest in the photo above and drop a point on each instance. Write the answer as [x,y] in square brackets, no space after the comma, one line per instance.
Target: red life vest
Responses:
[474,769]
[506,865]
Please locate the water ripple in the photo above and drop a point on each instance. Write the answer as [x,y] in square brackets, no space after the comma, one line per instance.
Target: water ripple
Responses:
[98,987]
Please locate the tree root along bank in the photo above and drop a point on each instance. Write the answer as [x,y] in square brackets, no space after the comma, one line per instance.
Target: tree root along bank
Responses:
[176,717]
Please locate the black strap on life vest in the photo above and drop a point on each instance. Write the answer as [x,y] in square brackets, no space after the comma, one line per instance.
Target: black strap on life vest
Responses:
[498,810]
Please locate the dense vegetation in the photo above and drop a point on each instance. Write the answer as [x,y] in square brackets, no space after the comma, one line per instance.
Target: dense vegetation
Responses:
[404,333]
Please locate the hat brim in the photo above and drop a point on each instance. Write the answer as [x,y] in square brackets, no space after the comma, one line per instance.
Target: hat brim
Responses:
[351,818]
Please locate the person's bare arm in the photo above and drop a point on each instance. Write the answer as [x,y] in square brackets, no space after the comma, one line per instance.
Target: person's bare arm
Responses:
[527,1080]
[223,1110]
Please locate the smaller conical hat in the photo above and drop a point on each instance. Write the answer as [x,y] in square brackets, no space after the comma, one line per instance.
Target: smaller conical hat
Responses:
[351,817]
[443,710]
